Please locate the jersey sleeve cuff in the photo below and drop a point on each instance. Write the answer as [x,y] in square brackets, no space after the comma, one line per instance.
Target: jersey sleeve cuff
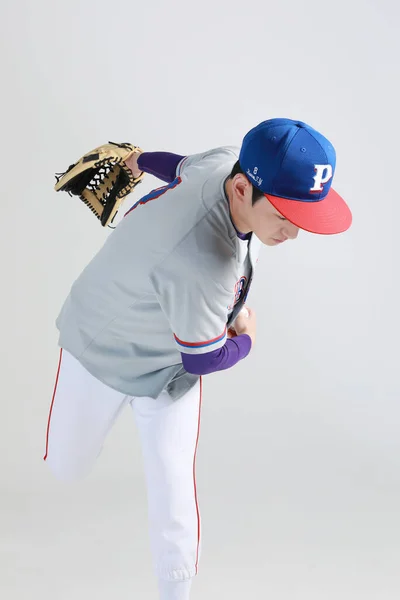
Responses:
[203,346]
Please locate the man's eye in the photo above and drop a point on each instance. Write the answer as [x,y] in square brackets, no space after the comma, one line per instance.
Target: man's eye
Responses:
[282,218]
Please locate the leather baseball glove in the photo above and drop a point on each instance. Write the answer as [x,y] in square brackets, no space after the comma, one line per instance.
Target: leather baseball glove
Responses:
[101,179]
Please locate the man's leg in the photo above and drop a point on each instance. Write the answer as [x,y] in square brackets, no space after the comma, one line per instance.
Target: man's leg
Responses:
[82,412]
[169,432]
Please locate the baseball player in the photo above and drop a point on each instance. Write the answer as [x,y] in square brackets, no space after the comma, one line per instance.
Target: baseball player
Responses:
[162,304]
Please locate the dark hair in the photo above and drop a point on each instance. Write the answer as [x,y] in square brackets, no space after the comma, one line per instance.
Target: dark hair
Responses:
[257,194]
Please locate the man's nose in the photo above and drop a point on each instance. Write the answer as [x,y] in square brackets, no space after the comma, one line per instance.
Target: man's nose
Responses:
[291,231]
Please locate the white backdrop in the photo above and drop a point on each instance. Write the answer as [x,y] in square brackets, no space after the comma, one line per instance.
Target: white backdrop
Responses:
[299,455]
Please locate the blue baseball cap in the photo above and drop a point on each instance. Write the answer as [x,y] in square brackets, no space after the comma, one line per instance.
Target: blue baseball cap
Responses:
[293,165]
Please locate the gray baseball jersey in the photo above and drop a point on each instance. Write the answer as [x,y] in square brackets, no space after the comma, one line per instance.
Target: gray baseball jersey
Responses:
[170,278]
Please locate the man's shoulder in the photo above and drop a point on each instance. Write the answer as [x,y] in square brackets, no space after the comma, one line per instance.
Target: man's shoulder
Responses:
[209,159]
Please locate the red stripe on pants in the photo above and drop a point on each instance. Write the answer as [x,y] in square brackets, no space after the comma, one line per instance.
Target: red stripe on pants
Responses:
[51,407]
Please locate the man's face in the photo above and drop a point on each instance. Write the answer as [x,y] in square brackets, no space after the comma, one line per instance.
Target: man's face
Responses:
[269,225]
[263,219]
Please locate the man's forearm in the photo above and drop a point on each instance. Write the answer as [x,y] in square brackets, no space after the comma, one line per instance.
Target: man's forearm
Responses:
[232,352]
[160,164]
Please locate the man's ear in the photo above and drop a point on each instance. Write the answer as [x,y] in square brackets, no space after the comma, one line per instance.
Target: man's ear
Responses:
[241,186]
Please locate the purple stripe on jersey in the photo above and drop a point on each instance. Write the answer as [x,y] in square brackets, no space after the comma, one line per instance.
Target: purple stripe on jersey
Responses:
[234,350]
[162,165]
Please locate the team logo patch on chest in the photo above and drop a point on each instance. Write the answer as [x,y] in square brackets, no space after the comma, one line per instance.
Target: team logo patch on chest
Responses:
[239,290]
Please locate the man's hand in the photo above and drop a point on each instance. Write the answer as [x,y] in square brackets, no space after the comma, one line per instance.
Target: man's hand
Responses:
[245,323]
[132,164]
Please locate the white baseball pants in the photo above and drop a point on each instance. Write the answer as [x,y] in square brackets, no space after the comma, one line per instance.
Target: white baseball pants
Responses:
[82,413]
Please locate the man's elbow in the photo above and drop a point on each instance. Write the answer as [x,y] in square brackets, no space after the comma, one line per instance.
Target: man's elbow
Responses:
[192,365]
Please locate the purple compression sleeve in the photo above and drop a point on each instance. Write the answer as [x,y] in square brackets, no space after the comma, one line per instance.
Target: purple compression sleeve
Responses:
[160,164]
[233,351]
